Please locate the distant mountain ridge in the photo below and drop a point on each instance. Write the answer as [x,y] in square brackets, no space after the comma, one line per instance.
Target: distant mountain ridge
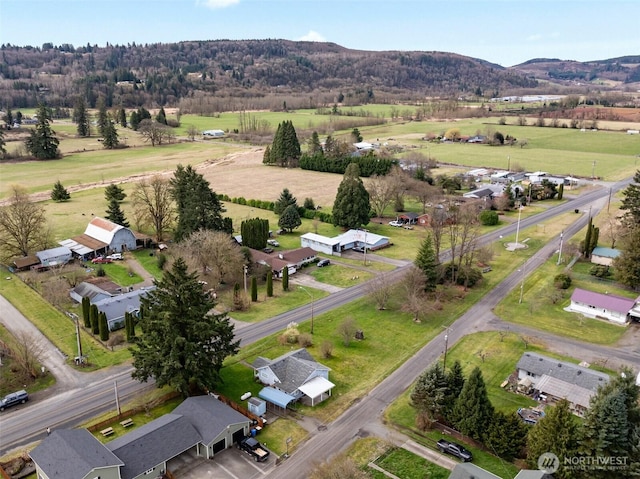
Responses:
[163,74]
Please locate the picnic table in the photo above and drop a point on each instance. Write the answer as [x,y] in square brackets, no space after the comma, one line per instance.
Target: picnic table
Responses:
[107,432]
[126,422]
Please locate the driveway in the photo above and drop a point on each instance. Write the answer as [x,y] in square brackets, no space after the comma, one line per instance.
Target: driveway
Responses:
[228,464]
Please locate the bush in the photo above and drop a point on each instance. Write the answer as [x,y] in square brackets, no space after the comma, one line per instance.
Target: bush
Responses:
[305,340]
[489,218]
[162,261]
[100,272]
[326,349]
[562,281]
[600,271]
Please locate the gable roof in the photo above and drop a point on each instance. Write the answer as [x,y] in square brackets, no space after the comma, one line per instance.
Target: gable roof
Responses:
[209,416]
[89,290]
[562,389]
[153,443]
[297,255]
[53,253]
[71,454]
[103,229]
[321,239]
[370,239]
[540,365]
[116,306]
[26,261]
[292,369]
[604,301]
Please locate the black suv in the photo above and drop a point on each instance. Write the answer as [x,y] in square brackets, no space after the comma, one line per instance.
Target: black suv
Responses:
[19,397]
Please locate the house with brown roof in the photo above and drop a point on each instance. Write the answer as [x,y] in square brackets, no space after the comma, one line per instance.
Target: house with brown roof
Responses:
[293,259]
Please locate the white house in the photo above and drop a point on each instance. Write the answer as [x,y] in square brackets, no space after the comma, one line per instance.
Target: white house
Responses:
[346,241]
[322,244]
[213,133]
[604,306]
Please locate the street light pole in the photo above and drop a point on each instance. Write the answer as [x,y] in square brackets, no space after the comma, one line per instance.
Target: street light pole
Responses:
[446,347]
[311,296]
[244,269]
[365,247]
[518,225]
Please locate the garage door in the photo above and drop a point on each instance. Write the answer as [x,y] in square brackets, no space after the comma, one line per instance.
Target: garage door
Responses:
[238,436]
[219,446]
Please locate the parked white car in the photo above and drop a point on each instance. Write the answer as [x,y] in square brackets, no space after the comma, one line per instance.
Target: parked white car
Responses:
[272,242]
[115,256]
[396,223]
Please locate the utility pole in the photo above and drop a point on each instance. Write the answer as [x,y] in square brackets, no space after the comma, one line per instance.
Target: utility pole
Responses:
[78,340]
[560,253]
[244,270]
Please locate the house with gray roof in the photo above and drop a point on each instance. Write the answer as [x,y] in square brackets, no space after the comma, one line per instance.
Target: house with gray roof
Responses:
[116,306]
[202,425]
[604,306]
[89,290]
[552,380]
[74,453]
[291,377]
[466,470]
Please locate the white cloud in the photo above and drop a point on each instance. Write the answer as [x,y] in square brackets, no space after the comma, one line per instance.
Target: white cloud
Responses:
[213,4]
[312,37]
[534,38]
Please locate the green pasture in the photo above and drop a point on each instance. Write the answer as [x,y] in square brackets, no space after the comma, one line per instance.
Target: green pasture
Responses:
[405,464]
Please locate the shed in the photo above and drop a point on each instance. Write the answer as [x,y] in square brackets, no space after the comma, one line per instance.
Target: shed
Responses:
[322,244]
[257,406]
[54,256]
[276,397]
[604,256]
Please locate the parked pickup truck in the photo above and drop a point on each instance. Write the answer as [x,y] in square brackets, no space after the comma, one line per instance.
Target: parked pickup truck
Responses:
[252,447]
[455,450]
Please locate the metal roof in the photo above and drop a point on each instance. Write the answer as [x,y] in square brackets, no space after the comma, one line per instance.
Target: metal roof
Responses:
[604,301]
[276,397]
[562,389]
[572,373]
[316,387]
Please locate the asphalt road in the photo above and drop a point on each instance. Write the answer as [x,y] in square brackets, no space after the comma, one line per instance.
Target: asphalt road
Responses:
[86,395]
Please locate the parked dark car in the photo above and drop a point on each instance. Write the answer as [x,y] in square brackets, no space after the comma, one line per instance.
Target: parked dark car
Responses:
[267,250]
[455,450]
[18,397]
[323,262]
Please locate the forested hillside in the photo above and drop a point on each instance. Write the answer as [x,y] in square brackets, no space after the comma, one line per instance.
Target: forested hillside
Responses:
[163,74]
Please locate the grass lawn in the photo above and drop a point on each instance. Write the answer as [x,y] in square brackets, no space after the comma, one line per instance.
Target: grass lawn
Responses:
[149,261]
[338,275]
[58,328]
[537,309]
[119,273]
[407,465]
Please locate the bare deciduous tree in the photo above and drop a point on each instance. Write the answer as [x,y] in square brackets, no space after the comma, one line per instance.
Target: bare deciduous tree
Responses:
[379,289]
[155,132]
[23,225]
[347,329]
[152,200]
[423,192]
[381,193]
[192,132]
[414,300]
[342,467]
[27,353]
[215,255]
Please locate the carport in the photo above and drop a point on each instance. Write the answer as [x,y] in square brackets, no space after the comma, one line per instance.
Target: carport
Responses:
[276,398]
[316,390]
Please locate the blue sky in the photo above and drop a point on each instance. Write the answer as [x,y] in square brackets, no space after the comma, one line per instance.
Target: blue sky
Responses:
[506,32]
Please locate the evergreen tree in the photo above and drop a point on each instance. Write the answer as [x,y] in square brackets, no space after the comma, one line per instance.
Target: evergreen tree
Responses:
[290,219]
[42,142]
[115,214]
[314,147]
[351,207]
[103,116]
[285,279]
[8,118]
[86,308]
[81,118]
[254,289]
[183,345]
[110,135]
[269,284]
[266,157]
[161,117]
[612,425]
[59,193]
[427,262]
[429,393]
[587,239]
[560,191]
[114,192]
[631,201]
[93,314]
[506,436]
[128,321]
[455,383]
[627,265]
[134,120]
[473,412]
[198,207]
[556,432]
[255,233]
[122,118]
[286,199]
[3,143]
[285,148]
[103,327]
[356,137]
